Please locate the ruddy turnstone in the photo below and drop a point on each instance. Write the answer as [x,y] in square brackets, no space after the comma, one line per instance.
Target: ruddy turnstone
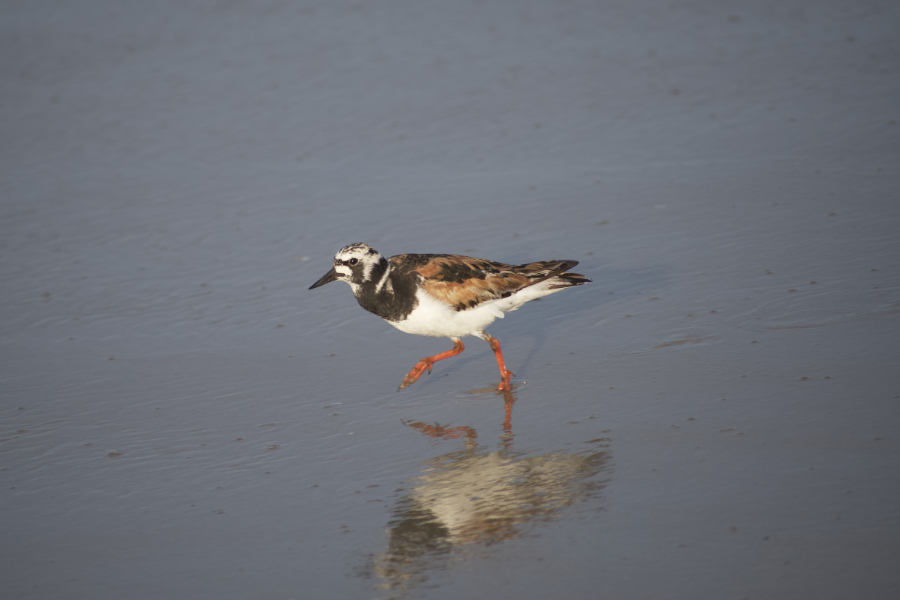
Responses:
[445,295]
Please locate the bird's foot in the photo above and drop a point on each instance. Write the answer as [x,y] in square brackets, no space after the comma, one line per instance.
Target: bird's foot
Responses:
[428,362]
[504,383]
[423,365]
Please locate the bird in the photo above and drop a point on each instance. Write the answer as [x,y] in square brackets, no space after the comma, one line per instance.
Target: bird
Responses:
[445,295]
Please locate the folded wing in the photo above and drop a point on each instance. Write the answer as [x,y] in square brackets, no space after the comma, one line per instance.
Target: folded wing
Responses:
[465,282]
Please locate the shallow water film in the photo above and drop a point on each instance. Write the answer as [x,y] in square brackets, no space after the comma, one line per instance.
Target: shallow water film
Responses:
[714,416]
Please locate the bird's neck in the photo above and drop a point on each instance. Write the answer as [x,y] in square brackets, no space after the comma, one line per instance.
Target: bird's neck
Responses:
[388,294]
[377,286]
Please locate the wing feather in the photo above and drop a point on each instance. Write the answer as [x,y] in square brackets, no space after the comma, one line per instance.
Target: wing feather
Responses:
[465,282]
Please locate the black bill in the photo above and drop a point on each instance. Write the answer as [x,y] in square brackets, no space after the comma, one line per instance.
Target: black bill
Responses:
[327,278]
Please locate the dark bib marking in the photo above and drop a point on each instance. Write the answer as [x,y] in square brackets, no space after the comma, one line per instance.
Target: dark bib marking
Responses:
[391,306]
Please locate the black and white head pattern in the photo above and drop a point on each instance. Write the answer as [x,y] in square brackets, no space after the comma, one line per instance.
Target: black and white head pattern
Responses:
[355,264]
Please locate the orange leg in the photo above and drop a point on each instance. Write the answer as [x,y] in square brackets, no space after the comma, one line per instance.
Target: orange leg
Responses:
[426,363]
[505,374]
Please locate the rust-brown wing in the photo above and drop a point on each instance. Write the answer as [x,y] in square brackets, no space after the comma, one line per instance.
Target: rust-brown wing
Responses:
[465,282]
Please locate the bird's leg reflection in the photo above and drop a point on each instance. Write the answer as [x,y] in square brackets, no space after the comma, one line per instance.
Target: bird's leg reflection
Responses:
[508,401]
[444,432]
[441,432]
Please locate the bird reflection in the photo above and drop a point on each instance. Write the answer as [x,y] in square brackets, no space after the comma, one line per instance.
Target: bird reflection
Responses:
[474,496]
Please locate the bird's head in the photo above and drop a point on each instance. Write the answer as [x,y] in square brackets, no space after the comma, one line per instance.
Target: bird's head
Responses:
[353,264]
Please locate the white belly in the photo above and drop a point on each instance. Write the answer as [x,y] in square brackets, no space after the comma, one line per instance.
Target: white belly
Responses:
[436,319]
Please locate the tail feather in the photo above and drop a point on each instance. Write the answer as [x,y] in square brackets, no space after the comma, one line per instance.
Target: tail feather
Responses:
[564,280]
[548,269]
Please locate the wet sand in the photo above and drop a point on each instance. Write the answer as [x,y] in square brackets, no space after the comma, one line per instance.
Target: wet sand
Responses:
[714,416]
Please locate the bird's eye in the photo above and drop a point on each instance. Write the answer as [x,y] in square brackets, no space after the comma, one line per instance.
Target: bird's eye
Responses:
[352,261]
